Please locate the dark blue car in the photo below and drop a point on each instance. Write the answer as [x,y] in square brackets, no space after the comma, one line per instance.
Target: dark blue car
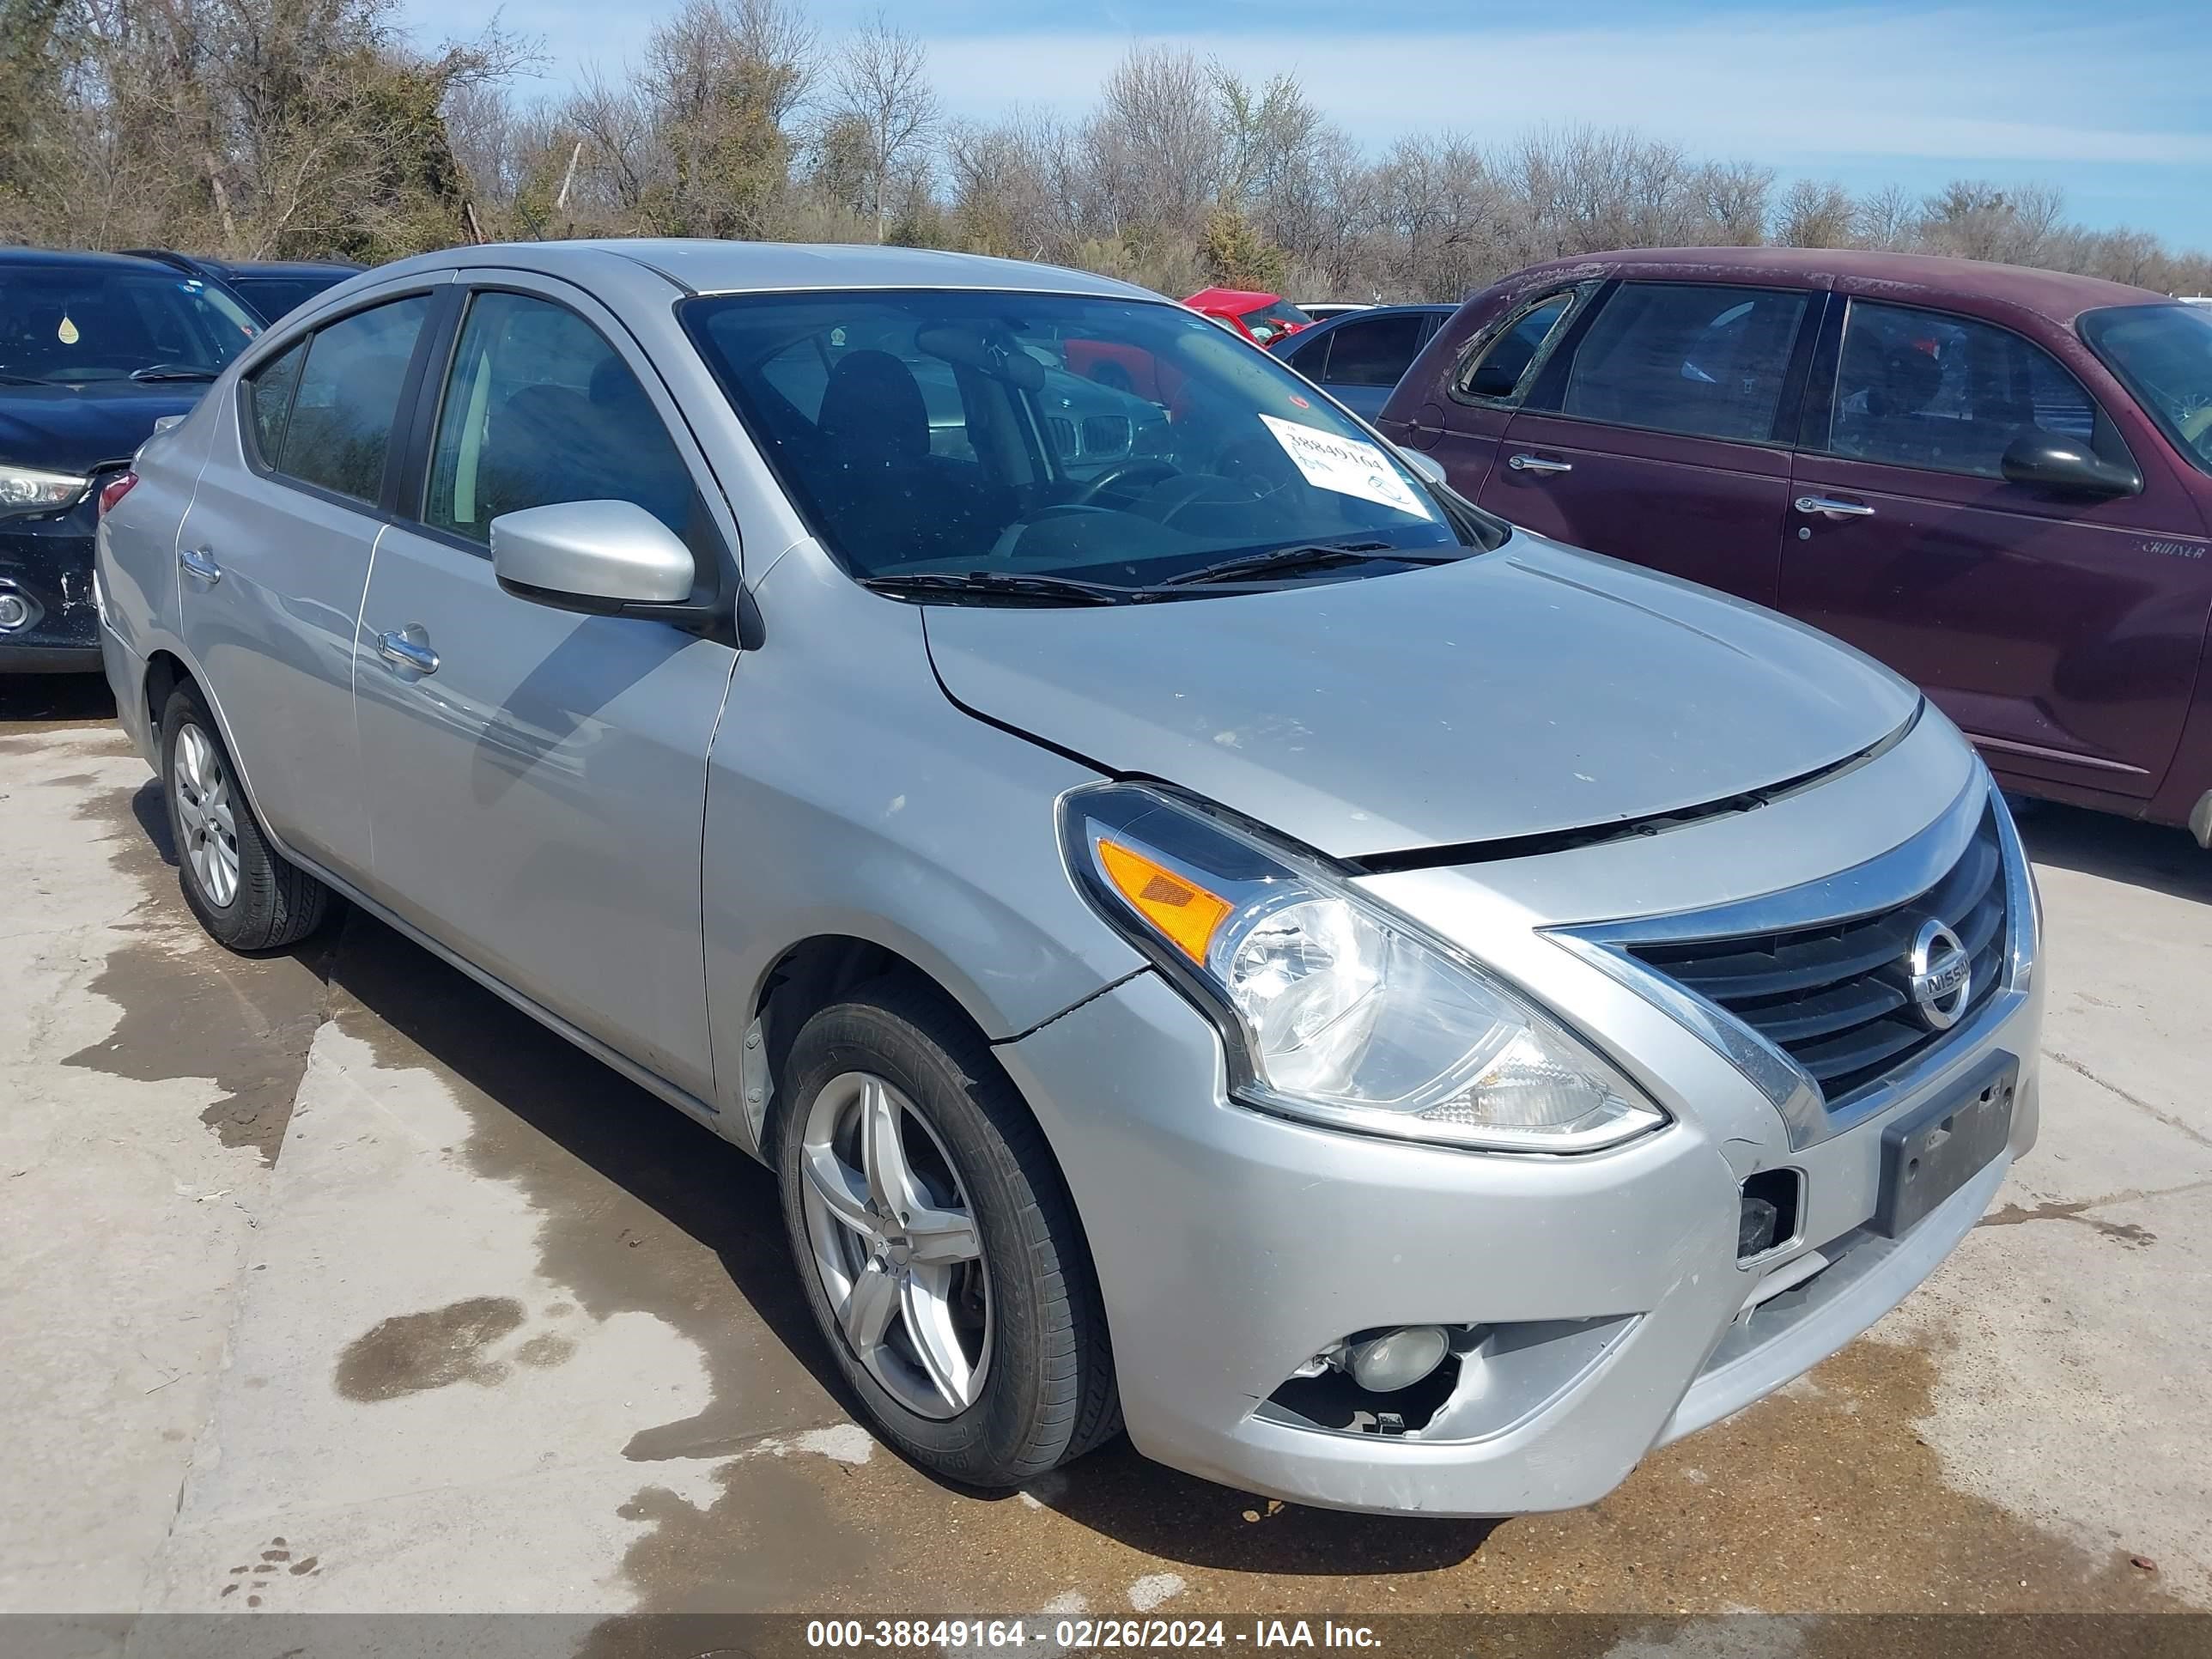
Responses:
[269,288]
[1359,357]
[94,349]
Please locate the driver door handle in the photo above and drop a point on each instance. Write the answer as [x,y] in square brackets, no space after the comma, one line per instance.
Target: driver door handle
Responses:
[1827,507]
[1538,463]
[408,648]
[199,561]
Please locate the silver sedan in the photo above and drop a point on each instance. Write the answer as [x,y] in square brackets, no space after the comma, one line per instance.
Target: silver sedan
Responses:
[1214,932]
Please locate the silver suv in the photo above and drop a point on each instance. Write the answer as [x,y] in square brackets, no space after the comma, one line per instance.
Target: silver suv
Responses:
[1214,932]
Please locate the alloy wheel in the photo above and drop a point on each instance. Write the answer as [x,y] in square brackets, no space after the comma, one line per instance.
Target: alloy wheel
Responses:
[207,815]
[895,1243]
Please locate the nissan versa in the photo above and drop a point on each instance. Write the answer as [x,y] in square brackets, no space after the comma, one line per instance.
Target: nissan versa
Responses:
[1212,932]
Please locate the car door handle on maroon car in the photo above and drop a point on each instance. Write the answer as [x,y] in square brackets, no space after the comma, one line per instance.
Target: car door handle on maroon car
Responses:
[1828,507]
[199,561]
[1538,463]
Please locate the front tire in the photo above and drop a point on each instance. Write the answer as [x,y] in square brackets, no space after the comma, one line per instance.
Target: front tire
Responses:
[939,1250]
[246,896]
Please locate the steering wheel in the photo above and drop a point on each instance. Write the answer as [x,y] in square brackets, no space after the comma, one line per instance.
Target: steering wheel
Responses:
[1119,473]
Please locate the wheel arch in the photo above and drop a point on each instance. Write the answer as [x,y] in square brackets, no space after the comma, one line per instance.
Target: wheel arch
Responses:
[167,669]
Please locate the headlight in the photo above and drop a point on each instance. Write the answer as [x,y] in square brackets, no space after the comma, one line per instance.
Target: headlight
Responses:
[27,489]
[1334,1008]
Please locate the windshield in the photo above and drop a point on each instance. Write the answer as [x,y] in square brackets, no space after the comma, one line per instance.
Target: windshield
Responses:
[69,325]
[1273,320]
[2163,354]
[1113,441]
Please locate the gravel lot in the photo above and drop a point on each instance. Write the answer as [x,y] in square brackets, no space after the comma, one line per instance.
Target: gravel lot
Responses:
[328,1282]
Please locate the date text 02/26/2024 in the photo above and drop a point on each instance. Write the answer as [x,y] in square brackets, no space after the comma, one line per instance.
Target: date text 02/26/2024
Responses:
[1074,1635]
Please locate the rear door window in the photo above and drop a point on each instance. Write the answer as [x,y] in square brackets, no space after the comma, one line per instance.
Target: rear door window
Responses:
[1503,369]
[340,428]
[1699,359]
[1944,393]
[1375,351]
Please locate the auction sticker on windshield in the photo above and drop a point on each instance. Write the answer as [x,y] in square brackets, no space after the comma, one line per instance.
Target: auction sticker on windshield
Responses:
[1346,466]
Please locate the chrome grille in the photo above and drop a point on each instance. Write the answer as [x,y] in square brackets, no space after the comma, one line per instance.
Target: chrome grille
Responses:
[1837,997]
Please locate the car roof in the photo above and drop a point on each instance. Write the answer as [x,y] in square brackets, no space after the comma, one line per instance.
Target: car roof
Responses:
[282,267]
[2056,295]
[56,258]
[1244,298]
[713,267]
[1422,306]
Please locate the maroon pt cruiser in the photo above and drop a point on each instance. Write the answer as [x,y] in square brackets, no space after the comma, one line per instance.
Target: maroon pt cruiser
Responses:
[1997,481]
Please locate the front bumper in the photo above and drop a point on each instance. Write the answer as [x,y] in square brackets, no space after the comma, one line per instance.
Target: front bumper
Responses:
[1231,1246]
[47,562]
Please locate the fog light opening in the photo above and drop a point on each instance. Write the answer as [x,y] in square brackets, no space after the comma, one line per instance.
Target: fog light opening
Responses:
[1388,1381]
[15,612]
[1772,1203]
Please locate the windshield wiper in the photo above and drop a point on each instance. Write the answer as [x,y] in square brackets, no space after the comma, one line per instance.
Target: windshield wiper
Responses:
[1282,561]
[6,378]
[1008,584]
[175,371]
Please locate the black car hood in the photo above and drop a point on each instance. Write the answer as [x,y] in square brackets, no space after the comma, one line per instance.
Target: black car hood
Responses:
[75,428]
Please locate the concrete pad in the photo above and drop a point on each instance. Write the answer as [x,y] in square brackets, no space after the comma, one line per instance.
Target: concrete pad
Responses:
[2072,1386]
[125,1218]
[330,1281]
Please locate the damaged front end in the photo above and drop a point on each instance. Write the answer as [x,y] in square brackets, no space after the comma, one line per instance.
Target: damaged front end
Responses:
[48,609]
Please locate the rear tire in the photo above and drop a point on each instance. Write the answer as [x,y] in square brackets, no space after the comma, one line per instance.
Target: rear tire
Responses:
[1010,1374]
[243,892]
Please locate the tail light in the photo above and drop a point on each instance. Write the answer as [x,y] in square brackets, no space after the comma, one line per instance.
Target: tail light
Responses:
[116,490]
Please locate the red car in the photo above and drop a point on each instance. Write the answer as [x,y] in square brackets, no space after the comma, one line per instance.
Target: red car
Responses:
[1260,317]
[1997,481]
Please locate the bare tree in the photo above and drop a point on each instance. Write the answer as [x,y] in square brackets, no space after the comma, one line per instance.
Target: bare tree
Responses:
[1889,218]
[1814,215]
[317,126]
[880,89]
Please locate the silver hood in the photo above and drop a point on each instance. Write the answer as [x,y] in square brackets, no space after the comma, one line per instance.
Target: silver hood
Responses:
[1517,693]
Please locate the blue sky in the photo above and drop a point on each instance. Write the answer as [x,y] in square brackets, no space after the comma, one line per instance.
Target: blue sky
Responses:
[2111,101]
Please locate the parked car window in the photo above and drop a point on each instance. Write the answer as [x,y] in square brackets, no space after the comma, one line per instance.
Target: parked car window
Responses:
[1950,394]
[938,442]
[1696,358]
[1375,352]
[348,396]
[1499,371]
[75,324]
[2163,354]
[1311,359]
[539,407]
[275,295]
[269,400]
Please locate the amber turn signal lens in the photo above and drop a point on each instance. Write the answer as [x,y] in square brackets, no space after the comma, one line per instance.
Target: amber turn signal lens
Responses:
[1185,912]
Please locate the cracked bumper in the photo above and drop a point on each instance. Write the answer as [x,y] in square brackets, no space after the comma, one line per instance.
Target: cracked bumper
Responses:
[1233,1246]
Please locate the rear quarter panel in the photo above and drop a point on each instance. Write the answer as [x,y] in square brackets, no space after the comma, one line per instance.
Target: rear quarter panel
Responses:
[137,544]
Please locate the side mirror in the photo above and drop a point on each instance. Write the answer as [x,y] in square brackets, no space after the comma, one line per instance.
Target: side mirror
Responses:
[1427,466]
[1493,379]
[2046,461]
[606,558]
